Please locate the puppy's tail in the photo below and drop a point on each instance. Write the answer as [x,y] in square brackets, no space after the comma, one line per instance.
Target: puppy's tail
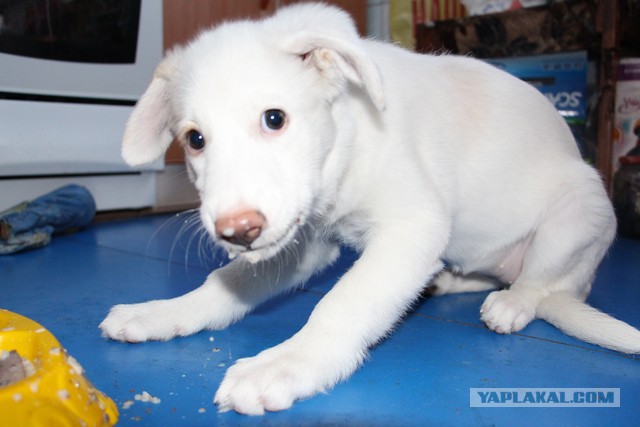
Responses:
[580,320]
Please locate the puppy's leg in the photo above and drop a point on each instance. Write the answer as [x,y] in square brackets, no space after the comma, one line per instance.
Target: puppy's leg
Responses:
[567,247]
[361,308]
[448,282]
[226,296]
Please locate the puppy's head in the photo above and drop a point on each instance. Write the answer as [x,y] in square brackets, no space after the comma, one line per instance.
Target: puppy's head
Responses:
[253,104]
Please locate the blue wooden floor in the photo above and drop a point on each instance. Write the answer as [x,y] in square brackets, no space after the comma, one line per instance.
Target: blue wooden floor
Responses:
[421,375]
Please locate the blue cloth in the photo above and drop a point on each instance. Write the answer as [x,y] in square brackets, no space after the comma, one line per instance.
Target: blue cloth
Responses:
[31,224]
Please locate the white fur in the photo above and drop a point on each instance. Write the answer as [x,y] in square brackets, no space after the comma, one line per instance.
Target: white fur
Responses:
[412,159]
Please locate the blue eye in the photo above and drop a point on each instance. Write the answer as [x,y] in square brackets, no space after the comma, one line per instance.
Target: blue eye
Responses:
[273,120]
[195,140]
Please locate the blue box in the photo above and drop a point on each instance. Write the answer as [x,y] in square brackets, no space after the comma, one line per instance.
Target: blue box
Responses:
[561,77]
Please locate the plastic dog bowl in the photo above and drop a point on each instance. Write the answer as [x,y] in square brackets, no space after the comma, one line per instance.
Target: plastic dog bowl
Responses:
[42,385]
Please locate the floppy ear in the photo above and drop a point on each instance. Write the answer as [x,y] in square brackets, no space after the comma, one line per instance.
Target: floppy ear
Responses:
[148,132]
[329,41]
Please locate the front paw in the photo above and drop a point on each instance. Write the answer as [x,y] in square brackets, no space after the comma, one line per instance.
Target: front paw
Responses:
[153,320]
[270,381]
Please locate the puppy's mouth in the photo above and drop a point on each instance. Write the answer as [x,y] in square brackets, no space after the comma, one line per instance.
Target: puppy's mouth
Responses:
[260,250]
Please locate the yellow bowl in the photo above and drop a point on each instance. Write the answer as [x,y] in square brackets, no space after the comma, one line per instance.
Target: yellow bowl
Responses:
[51,389]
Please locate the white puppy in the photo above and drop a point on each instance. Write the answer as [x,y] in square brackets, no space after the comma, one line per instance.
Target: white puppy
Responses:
[301,136]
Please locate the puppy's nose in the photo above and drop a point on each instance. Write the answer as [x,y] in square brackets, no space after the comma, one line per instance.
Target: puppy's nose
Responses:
[242,228]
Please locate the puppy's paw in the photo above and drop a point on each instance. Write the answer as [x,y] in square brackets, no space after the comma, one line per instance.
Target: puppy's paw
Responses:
[507,311]
[449,283]
[153,320]
[441,284]
[270,381]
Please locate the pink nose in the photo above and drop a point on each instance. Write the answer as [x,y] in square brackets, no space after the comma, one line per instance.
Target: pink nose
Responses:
[241,228]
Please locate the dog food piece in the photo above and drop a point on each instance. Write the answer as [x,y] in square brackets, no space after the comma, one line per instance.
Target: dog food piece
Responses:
[14,368]
[146,397]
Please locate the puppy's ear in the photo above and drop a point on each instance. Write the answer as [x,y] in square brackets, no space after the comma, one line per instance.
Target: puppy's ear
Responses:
[326,38]
[148,132]
[339,61]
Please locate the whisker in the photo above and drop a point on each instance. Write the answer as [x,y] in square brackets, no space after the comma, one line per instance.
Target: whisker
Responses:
[168,223]
[208,251]
[187,227]
[195,231]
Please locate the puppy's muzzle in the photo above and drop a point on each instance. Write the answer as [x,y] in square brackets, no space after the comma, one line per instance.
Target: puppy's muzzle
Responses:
[242,228]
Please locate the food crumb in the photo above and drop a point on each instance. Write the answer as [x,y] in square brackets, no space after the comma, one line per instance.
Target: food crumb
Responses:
[211,339]
[202,410]
[127,404]
[75,365]
[146,397]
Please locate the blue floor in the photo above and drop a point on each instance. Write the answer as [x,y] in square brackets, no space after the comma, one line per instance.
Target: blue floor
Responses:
[421,375]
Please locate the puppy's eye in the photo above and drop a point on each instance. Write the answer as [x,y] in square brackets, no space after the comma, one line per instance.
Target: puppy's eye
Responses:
[273,120]
[195,140]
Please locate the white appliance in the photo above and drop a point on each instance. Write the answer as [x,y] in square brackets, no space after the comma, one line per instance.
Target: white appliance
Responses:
[69,77]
